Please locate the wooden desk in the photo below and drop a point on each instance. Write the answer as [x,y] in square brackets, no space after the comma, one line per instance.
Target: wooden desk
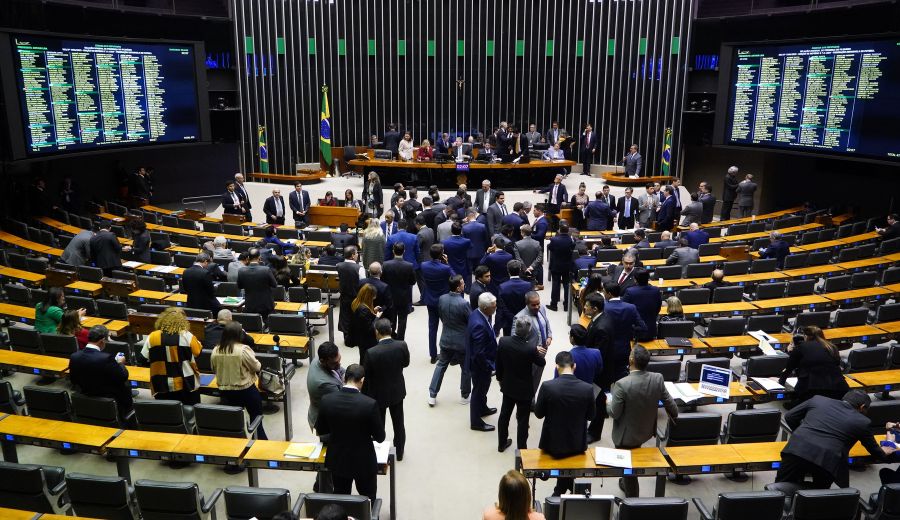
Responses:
[143,296]
[838,242]
[21,429]
[647,462]
[708,310]
[811,272]
[743,343]
[862,334]
[760,456]
[662,261]
[323,311]
[877,261]
[763,234]
[879,381]
[147,269]
[88,288]
[287,346]
[715,458]
[37,364]
[144,323]
[858,295]
[892,327]
[793,303]
[209,449]
[893,288]
[18,514]
[754,278]
[659,347]
[24,277]
[764,216]
[738,394]
[497,172]
[332,216]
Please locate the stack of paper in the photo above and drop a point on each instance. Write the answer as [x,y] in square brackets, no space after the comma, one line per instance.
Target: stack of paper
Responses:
[611,457]
[790,383]
[132,264]
[382,450]
[312,308]
[304,450]
[164,269]
[683,392]
[765,342]
[769,384]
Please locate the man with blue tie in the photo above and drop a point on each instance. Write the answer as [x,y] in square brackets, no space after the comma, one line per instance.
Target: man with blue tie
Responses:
[299,203]
[410,245]
[457,249]
[481,354]
[598,213]
[436,278]
[496,260]
[389,226]
[511,297]
[626,207]
[477,233]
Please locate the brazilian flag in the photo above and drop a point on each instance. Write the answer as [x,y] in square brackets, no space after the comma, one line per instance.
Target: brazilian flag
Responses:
[263,150]
[325,128]
[667,152]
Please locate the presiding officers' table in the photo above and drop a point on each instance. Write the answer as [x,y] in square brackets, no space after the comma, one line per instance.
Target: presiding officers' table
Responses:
[646,462]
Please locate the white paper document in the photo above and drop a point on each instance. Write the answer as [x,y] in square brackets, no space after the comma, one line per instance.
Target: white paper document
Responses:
[790,383]
[382,450]
[611,457]
[132,264]
[683,392]
[164,268]
[313,308]
[769,384]
[765,342]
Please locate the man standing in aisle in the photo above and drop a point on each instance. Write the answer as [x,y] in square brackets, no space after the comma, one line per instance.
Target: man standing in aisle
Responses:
[516,357]
[384,366]
[745,191]
[588,148]
[241,190]
[729,192]
[626,207]
[273,207]
[299,202]
[454,312]
[436,275]
[481,353]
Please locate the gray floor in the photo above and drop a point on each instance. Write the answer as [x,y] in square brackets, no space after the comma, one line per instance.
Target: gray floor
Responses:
[449,471]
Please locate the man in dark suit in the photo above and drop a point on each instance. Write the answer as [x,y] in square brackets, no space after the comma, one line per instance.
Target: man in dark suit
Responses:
[384,366]
[623,274]
[429,213]
[587,148]
[481,353]
[583,259]
[515,220]
[696,237]
[627,208]
[197,283]
[458,248]
[257,281]
[497,260]
[424,241]
[745,191]
[484,197]
[106,252]
[443,143]
[665,217]
[231,201]
[454,312]
[554,133]
[436,275]
[599,336]
[646,299]
[708,201]
[300,203]
[665,240]
[729,192]
[634,163]
[400,276]
[823,431]
[598,213]
[101,374]
[410,244]
[482,283]
[344,238]
[496,212]
[383,295]
[627,324]
[244,195]
[556,192]
[273,207]
[566,404]
[348,283]
[477,234]
[778,249]
[329,256]
[391,139]
[511,297]
[515,359]
[560,251]
[352,421]
[892,230]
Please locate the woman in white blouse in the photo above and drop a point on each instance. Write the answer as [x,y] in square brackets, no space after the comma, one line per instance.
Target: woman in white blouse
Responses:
[405,148]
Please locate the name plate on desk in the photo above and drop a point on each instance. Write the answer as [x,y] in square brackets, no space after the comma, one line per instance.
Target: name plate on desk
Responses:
[462,166]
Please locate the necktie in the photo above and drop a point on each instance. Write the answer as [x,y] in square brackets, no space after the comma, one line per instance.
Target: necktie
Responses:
[277,208]
[553,197]
[623,276]
[503,209]
[486,202]
[587,140]
[627,207]
[300,198]
[543,330]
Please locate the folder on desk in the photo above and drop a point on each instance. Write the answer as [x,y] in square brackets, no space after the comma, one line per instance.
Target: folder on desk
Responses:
[768,384]
[304,450]
[611,457]
[132,264]
[679,342]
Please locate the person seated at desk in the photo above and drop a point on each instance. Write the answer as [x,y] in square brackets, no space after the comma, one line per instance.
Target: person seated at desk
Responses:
[100,374]
[816,362]
[778,249]
[49,313]
[405,147]
[329,256]
[554,153]
[674,310]
[213,332]
[665,240]
[237,371]
[461,151]
[272,239]
[171,350]
[513,500]
[351,202]
[892,230]
[696,237]
[425,151]
[329,199]
[824,430]
[70,325]
[717,280]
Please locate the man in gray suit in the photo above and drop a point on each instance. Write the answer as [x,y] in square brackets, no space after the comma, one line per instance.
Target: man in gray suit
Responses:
[78,252]
[683,256]
[634,163]
[633,406]
[555,133]
[529,252]
[692,212]
[484,197]
[745,190]
[454,312]
[541,335]
[647,203]
[495,213]
[326,375]
[533,136]
[425,237]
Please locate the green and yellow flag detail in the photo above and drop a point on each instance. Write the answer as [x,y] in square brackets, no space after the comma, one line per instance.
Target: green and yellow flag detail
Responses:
[325,128]
[667,152]
[263,150]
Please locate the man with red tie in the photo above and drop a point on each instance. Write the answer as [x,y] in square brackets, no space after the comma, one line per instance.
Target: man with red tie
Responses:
[588,148]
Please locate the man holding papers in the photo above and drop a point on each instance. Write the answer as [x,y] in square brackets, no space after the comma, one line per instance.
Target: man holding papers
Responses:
[633,408]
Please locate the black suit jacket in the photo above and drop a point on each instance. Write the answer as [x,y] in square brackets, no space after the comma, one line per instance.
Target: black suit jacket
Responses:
[353,421]
[560,251]
[513,366]
[342,240]
[400,277]
[384,366]
[599,336]
[269,210]
[392,141]
[97,374]
[383,296]
[197,283]
[257,281]
[566,404]
[106,252]
[348,280]
[228,205]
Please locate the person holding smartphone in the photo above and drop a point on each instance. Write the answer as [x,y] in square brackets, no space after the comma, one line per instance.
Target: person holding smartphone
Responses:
[817,365]
[100,374]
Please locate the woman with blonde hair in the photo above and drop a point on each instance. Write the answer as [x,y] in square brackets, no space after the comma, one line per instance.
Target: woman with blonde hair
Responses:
[513,500]
[362,331]
[425,151]
[372,245]
[674,310]
[171,350]
[816,363]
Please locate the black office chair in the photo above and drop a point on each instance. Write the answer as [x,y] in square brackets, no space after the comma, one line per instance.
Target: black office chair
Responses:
[889,246]
[151,283]
[825,504]
[883,505]
[164,416]
[736,267]
[37,265]
[801,287]
[749,505]
[95,496]
[693,296]
[880,413]
[36,295]
[888,312]
[763,265]
[167,500]
[354,505]
[810,237]
[863,279]
[244,503]
[709,249]
[771,323]
[11,401]
[649,253]
[703,270]
[183,260]
[234,229]
[48,403]
[59,345]
[867,250]
[99,411]
[160,257]
[279,294]
[287,324]
[730,326]
[836,283]
[743,426]
[796,260]
[112,309]
[17,293]
[82,302]
[821,319]
[652,508]
[212,227]
[768,291]
[848,254]
[737,229]
[612,256]
[228,289]
[867,359]
[152,308]
[252,322]
[89,274]
[675,329]
[728,294]
[851,317]
[667,272]
[692,367]
[670,369]
[763,366]
[123,275]
[575,507]
[225,421]
[24,340]
[33,487]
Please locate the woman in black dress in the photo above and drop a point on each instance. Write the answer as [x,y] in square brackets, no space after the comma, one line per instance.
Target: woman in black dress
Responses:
[817,365]
[362,331]
[578,203]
